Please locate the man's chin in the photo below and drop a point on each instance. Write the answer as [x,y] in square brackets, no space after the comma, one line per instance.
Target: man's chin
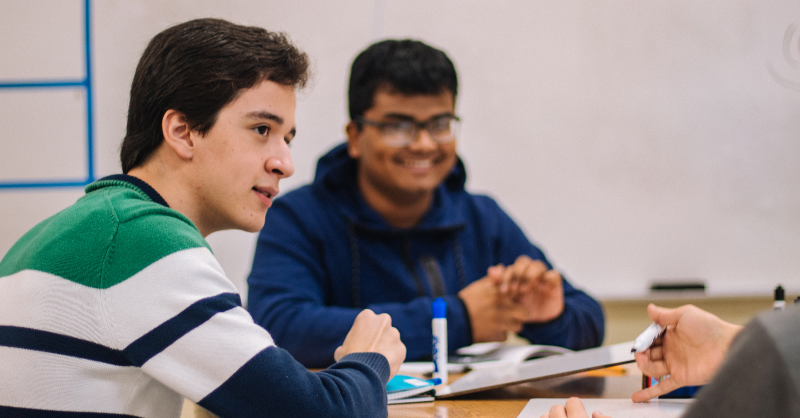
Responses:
[423,187]
[415,192]
[253,226]
[256,228]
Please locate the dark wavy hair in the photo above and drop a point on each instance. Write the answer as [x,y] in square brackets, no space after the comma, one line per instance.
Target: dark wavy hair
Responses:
[197,68]
[405,66]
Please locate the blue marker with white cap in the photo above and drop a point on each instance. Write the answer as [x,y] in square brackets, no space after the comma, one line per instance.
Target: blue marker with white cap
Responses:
[439,325]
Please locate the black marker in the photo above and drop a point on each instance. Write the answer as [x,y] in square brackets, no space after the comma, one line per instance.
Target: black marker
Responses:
[780,299]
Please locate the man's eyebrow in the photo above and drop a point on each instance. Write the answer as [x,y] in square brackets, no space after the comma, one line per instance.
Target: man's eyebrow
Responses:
[261,114]
[403,116]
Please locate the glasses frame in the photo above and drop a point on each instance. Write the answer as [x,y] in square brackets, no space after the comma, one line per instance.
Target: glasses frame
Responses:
[417,128]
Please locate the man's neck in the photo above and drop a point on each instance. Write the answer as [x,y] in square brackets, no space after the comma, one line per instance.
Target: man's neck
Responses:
[176,196]
[401,210]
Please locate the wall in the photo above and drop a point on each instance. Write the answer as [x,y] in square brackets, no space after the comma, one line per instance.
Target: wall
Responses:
[626,318]
[634,141]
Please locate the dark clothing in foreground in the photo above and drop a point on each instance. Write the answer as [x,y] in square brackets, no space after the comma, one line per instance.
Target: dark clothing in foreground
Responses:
[761,374]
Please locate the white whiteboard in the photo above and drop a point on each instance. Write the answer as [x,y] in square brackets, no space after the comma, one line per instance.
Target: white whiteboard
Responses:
[44,125]
[631,140]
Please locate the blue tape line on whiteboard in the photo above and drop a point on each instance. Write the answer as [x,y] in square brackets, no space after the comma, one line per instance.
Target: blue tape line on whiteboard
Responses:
[38,184]
[85,83]
[87,26]
[37,84]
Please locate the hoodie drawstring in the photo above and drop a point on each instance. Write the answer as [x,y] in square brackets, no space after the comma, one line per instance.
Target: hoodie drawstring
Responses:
[437,286]
[355,288]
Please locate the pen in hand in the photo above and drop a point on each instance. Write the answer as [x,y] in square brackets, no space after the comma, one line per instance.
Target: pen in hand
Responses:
[646,338]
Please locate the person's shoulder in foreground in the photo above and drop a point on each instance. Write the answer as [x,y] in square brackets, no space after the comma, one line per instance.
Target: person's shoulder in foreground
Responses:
[388,225]
[116,304]
[760,376]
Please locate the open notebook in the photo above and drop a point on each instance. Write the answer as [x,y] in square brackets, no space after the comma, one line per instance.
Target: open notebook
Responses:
[538,369]
[408,389]
[495,352]
[483,355]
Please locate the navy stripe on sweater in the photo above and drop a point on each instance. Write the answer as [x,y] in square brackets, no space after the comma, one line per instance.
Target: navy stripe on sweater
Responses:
[273,381]
[50,342]
[135,354]
[162,336]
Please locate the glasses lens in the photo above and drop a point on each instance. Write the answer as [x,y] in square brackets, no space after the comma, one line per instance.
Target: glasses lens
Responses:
[404,133]
[443,129]
[398,134]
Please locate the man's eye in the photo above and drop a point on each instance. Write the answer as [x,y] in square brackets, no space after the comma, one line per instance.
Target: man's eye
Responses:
[440,125]
[391,128]
[262,130]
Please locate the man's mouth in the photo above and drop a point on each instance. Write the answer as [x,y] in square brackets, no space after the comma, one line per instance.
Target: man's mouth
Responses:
[267,194]
[418,164]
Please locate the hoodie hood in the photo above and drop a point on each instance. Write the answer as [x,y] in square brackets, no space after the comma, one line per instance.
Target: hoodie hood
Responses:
[336,178]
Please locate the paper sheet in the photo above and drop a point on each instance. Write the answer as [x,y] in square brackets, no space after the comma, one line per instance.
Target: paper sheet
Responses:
[615,408]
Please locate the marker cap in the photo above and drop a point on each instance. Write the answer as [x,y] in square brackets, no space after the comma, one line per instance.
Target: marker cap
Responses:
[780,294]
[439,308]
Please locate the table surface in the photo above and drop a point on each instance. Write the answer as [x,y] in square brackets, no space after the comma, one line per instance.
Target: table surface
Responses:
[616,382]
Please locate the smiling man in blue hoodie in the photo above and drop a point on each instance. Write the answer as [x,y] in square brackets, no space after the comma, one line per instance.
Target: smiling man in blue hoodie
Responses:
[387,225]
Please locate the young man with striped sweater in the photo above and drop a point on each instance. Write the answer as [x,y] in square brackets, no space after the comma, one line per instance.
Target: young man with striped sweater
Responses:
[116,306]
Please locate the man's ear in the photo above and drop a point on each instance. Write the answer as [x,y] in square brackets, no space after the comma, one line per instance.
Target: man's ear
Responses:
[353,137]
[177,134]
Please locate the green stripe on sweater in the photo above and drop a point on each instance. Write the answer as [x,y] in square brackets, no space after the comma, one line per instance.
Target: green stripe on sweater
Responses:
[107,236]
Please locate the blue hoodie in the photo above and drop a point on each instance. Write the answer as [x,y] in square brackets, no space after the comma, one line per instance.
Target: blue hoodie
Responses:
[324,255]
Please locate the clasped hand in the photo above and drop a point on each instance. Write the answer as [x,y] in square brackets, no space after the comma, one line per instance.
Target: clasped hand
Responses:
[510,296]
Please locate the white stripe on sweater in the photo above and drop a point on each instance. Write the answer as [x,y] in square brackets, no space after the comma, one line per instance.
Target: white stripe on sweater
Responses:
[38,300]
[117,316]
[162,290]
[33,379]
[205,358]
[194,365]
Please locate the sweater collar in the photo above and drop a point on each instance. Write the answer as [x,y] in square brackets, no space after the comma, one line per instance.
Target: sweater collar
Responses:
[134,181]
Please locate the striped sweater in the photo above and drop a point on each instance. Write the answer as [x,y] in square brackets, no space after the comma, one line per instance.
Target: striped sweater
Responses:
[116,306]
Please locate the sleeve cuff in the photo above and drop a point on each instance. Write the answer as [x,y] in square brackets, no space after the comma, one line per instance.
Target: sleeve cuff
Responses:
[374,361]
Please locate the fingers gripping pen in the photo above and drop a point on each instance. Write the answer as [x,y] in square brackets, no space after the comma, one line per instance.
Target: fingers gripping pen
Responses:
[439,325]
[646,338]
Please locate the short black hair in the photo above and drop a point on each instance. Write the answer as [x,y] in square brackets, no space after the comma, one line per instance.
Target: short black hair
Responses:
[197,68]
[404,66]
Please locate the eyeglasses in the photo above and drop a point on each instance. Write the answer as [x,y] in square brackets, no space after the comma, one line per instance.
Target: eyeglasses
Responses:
[403,133]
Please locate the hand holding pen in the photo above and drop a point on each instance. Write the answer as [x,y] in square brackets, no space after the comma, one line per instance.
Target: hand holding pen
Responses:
[690,350]
[647,338]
